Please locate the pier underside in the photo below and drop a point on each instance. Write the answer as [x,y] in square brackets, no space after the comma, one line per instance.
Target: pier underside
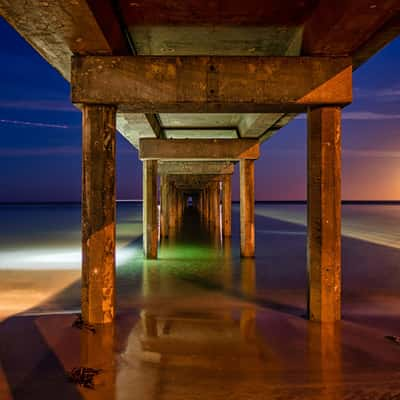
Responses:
[197,87]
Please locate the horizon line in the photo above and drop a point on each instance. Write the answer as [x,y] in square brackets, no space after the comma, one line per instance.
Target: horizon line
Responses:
[344,201]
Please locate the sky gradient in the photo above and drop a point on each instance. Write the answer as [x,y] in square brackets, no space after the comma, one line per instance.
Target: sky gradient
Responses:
[40,152]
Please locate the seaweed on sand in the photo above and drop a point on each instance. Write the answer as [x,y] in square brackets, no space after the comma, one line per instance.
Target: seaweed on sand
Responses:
[83,376]
[81,324]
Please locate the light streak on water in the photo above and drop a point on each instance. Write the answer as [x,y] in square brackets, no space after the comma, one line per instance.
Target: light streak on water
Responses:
[377,224]
[52,258]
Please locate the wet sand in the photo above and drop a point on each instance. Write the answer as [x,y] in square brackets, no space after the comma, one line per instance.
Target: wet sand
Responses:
[200,323]
[22,289]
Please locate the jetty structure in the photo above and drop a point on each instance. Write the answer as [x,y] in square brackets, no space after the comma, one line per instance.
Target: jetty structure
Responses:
[197,86]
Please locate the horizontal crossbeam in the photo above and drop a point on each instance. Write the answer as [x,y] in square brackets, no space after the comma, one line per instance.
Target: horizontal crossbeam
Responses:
[150,84]
[198,149]
[195,167]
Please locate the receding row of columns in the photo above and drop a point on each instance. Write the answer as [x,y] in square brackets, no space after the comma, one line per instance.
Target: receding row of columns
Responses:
[206,201]
[98,212]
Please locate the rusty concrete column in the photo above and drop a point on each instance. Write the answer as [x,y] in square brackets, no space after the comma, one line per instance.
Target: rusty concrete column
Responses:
[210,205]
[150,208]
[214,200]
[171,209]
[164,206]
[182,203]
[179,207]
[227,205]
[201,203]
[98,214]
[218,206]
[247,232]
[206,205]
[324,214]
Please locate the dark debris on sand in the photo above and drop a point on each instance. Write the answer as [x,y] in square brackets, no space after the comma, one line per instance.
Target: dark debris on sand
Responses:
[83,376]
[395,339]
[81,324]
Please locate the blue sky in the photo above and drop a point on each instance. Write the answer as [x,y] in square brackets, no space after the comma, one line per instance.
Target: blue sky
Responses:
[40,154]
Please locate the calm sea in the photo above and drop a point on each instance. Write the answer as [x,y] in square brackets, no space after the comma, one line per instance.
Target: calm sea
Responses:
[40,256]
[47,236]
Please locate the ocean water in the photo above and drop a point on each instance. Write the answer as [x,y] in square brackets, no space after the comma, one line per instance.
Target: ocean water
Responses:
[40,256]
[47,236]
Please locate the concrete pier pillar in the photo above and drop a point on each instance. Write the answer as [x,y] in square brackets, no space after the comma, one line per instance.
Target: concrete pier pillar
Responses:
[98,214]
[172,208]
[214,203]
[201,203]
[227,206]
[247,231]
[179,207]
[207,205]
[324,214]
[164,206]
[150,208]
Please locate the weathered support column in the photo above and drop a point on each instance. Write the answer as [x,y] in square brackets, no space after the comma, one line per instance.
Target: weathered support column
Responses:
[214,217]
[247,234]
[171,209]
[206,205]
[210,206]
[164,206]
[227,206]
[201,204]
[98,214]
[218,206]
[324,214]
[179,207]
[150,203]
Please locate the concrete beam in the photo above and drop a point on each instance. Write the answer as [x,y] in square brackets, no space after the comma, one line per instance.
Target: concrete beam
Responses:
[57,30]
[211,84]
[198,149]
[255,125]
[341,27]
[323,241]
[98,214]
[194,182]
[195,167]
[388,32]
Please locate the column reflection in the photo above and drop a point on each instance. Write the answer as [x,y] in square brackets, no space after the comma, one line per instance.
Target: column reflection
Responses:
[325,359]
[98,352]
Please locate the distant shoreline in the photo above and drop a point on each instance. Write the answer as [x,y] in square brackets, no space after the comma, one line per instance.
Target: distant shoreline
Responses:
[355,202]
